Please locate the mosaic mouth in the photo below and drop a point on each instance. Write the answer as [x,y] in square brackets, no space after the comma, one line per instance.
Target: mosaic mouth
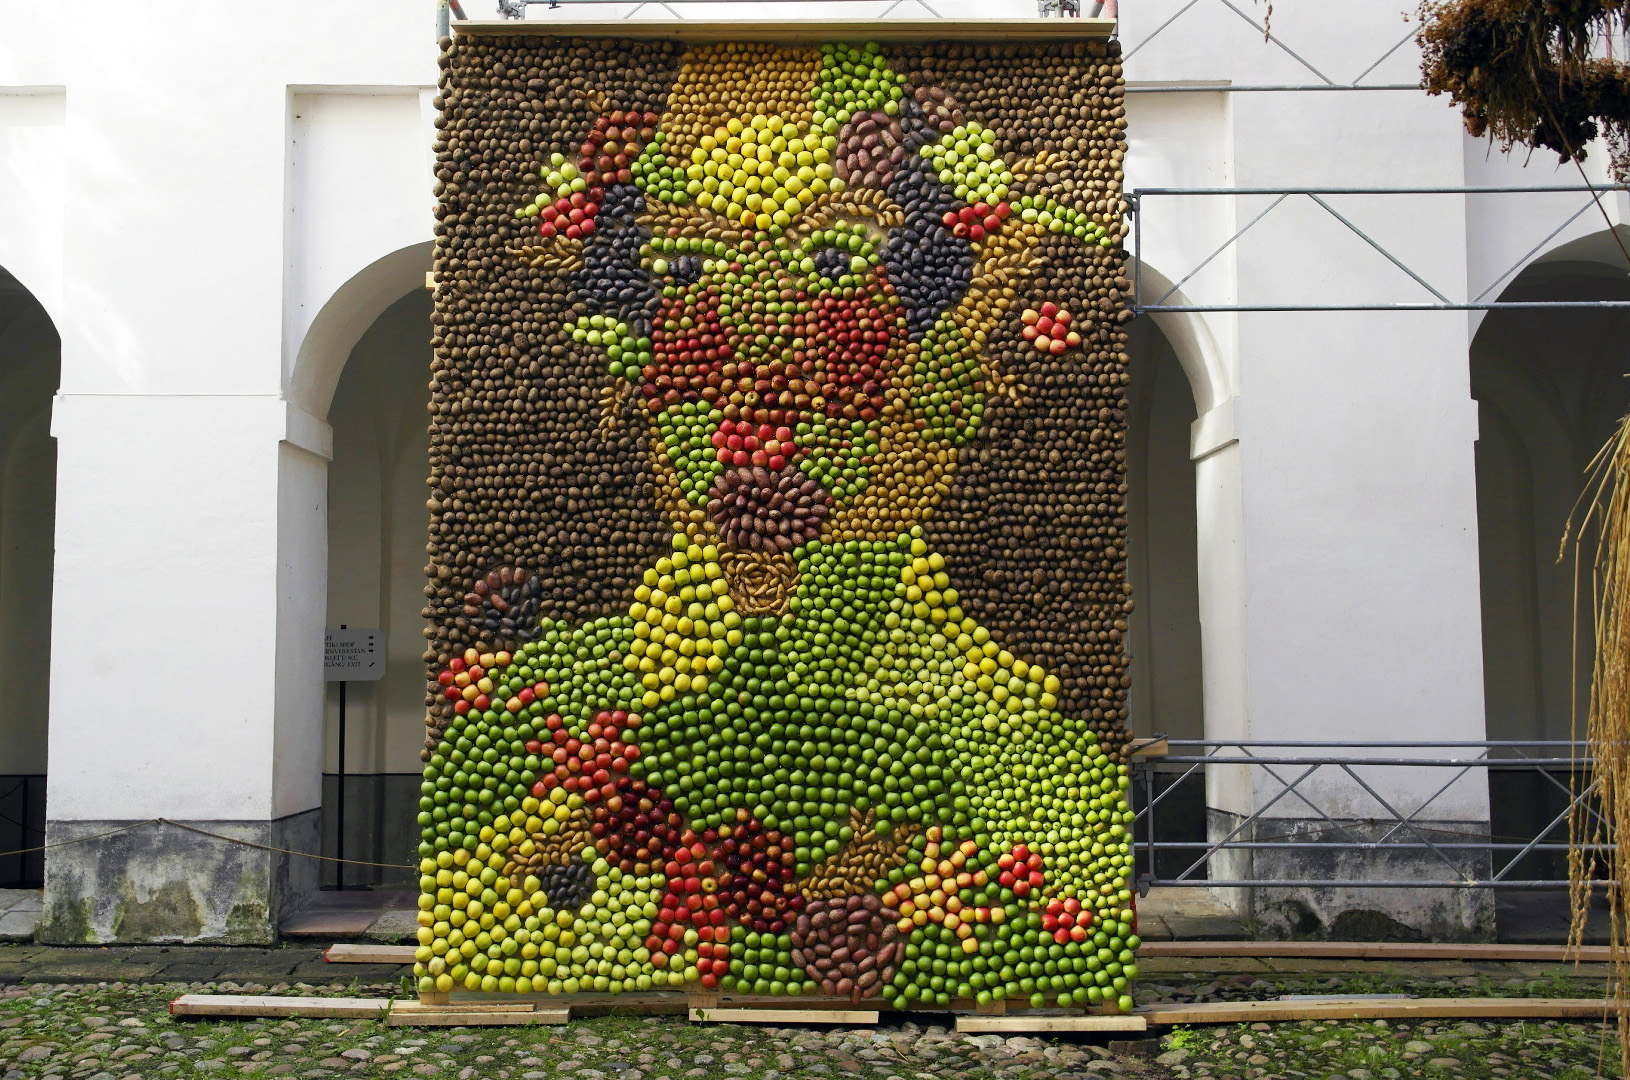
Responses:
[761,509]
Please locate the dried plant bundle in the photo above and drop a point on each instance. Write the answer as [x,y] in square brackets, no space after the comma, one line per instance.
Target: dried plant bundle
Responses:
[1531,72]
[1597,819]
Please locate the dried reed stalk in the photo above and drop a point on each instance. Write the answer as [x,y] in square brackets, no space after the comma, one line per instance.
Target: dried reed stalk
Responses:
[1597,820]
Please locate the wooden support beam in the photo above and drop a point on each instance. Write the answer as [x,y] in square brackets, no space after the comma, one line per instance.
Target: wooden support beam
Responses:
[261,1005]
[1378,1008]
[783,1016]
[369,954]
[1148,748]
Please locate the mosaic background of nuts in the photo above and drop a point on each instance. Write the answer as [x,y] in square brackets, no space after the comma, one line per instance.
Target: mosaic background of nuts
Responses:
[776,601]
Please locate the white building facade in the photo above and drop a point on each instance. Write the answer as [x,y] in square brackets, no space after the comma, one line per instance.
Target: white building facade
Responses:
[214,233]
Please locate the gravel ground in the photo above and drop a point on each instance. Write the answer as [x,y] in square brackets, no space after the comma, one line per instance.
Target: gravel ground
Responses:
[116,1031]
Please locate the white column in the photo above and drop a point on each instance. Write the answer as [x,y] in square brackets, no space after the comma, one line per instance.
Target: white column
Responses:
[186,657]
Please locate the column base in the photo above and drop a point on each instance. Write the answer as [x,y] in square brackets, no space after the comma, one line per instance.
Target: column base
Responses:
[163,884]
[1346,913]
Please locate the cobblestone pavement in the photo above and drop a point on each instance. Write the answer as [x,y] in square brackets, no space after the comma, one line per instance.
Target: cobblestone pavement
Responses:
[109,1029]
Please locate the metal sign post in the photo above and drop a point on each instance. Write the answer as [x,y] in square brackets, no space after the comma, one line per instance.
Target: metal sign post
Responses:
[349,655]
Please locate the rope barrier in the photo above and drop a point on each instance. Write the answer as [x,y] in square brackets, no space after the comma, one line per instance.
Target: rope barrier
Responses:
[205,832]
[289,851]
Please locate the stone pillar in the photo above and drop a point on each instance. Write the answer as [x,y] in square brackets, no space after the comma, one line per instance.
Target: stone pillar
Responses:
[1335,481]
[1362,615]
[186,659]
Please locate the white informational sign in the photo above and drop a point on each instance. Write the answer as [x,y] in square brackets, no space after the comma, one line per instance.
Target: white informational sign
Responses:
[354,656]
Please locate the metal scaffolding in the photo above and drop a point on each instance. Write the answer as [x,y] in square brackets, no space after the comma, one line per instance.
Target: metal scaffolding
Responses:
[1466,855]
[517,9]
[1138,198]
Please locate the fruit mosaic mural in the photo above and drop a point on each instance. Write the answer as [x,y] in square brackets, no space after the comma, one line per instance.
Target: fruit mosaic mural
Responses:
[776,600]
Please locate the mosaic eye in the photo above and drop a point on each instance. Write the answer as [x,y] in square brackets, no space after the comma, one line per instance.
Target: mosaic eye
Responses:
[832,262]
[685,270]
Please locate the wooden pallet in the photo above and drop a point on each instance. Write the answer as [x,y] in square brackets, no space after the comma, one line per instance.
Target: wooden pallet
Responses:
[370,954]
[1377,1007]
[476,1012]
[394,1012]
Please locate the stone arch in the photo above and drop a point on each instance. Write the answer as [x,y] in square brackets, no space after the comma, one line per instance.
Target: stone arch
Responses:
[1191,339]
[345,317]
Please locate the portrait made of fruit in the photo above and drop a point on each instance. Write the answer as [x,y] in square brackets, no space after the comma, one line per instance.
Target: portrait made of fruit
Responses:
[777,587]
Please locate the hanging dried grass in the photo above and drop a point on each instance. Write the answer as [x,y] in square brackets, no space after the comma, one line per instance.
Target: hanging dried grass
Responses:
[1597,820]
[1523,71]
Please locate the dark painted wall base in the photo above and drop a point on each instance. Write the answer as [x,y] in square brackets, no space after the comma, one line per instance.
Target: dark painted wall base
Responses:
[159,883]
[22,825]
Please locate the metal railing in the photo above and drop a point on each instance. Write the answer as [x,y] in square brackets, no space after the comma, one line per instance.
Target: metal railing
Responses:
[1295,825]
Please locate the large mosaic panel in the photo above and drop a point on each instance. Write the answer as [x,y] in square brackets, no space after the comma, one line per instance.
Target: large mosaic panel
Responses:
[777,595]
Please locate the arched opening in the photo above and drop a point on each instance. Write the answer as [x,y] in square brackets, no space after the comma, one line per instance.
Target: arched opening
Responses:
[30,369]
[1550,386]
[360,379]
[376,534]
[1167,694]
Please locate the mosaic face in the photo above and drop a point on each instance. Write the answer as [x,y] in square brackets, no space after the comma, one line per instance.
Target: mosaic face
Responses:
[791,763]
[800,324]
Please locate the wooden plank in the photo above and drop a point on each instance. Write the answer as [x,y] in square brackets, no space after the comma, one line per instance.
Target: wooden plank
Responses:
[783,1016]
[1148,748]
[370,954]
[622,1006]
[1021,1023]
[1375,950]
[803,31]
[258,1005]
[456,1017]
[1243,1012]
[514,1005]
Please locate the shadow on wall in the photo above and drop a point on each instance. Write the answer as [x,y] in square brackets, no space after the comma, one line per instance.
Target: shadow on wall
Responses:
[376,529]
[30,370]
[1161,554]
[1550,386]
